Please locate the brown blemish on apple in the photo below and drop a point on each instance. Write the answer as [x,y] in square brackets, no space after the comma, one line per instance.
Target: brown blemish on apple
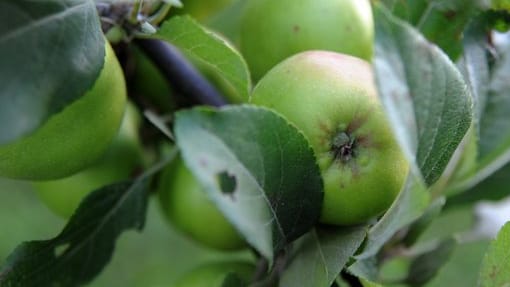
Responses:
[366,141]
[324,139]
[324,127]
[296,28]
[354,169]
[356,123]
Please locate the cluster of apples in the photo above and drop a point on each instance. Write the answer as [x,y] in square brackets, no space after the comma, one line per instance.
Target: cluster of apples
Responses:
[310,60]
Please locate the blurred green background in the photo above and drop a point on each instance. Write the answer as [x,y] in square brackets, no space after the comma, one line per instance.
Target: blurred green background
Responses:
[154,258]
[159,255]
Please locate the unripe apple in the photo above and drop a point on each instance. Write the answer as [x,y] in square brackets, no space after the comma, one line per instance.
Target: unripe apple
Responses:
[74,138]
[202,10]
[332,99]
[186,205]
[213,274]
[149,84]
[119,162]
[272,31]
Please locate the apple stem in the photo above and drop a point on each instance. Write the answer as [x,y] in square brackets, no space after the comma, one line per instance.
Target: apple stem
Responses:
[180,73]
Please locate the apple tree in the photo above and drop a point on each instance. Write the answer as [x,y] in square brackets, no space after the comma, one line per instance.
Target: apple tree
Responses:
[282,143]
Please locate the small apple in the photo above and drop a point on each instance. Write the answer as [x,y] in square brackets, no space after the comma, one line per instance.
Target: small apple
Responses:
[332,99]
[213,274]
[272,31]
[74,138]
[186,205]
[202,10]
[119,162]
[148,83]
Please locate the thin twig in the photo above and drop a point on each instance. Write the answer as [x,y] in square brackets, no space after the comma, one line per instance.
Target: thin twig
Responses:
[180,73]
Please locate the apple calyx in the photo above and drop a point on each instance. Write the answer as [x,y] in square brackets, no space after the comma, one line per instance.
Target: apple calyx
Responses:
[343,147]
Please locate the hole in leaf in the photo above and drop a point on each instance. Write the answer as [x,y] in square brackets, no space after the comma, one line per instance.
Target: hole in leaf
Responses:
[227,182]
[61,249]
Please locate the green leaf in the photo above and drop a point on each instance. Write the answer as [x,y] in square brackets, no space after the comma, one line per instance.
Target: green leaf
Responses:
[233,280]
[494,188]
[494,124]
[462,268]
[85,246]
[418,227]
[322,255]
[474,65]
[367,283]
[500,5]
[414,266]
[427,100]
[367,269]
[212,51]
[278,187]
[394,269]
[494,127]
[406,10]
[453,222]
[441,21]
[52,52]
[409,205]
[499,20]
[228,21]
[426,265]
[495,271]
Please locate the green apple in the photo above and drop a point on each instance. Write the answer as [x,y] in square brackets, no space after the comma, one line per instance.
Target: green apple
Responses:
[213,274]
[73,138]
[203,9]
[332,99]
[120,161]
[149,84]
[272,31]
[187,206]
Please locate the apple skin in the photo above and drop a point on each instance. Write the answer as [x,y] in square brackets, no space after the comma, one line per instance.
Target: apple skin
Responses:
[202,10]
[332,99]
[272,31]
[148,82]
[74,138]
[121,159]
[186,205]
[213,274]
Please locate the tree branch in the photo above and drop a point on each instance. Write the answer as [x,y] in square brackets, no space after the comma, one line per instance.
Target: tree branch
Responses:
[183,77]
